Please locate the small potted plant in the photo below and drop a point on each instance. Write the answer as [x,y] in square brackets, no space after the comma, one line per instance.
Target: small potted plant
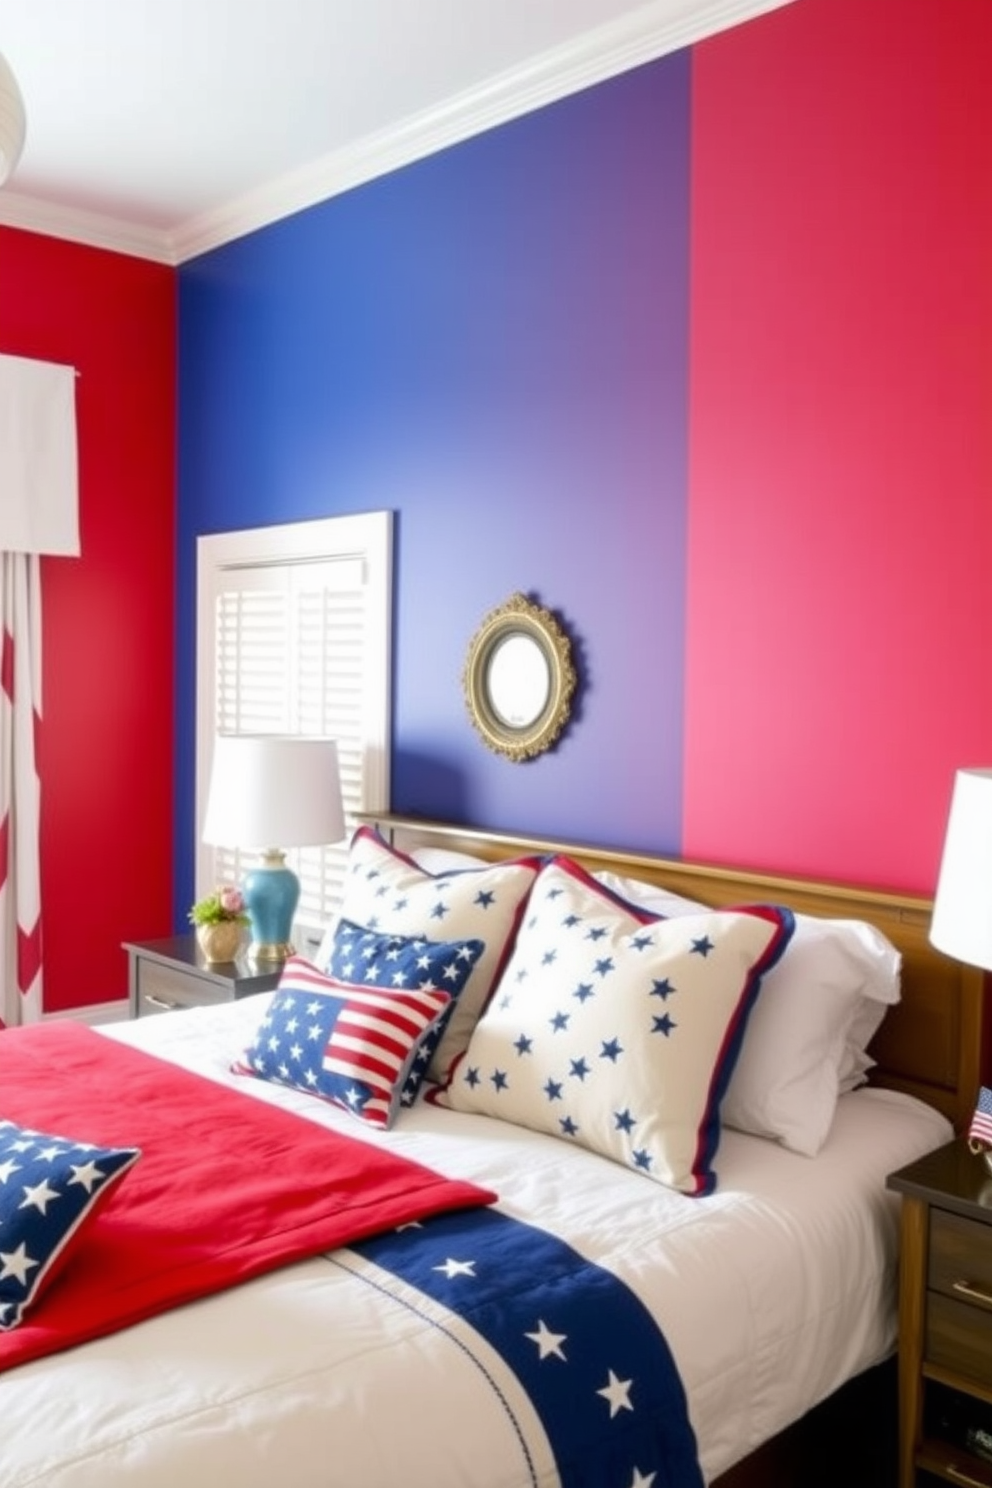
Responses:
[220,921]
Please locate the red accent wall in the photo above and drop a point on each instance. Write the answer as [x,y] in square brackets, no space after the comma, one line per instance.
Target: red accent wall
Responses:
[840,500]
[106,738]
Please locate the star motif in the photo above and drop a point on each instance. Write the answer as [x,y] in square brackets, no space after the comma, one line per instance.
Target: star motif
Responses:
[642,1159]
[452,1268]
[642,942]
[579,1069]
[664,1025]
[617,1392]
[485,898]
[499,1080]
[624,1120]
[701,947]
[88,1174]
[524,1045]
[568,1127]
[641,1480]
[612,1049]
[560,1022]
[661,988]
[472,1076]
[16,1263]
[548,1344]
[603,965]
[553,1090]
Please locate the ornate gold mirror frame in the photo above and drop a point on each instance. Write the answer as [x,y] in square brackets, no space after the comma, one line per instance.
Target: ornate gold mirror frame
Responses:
[519,679]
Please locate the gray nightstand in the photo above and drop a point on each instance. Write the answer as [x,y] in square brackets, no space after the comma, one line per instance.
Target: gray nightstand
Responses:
[164,975]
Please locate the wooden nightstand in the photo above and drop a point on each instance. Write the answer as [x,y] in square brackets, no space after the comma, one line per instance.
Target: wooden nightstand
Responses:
[945,1319]
[164,975]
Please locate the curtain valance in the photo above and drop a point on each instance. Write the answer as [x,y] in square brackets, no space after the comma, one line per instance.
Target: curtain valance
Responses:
[39,484]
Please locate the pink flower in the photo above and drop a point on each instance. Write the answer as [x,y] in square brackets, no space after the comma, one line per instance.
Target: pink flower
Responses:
[232,901]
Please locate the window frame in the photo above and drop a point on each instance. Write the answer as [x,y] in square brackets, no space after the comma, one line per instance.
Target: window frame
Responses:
[366,536]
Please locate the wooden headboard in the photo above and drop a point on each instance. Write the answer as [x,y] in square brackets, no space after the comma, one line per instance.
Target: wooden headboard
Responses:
[932,1045]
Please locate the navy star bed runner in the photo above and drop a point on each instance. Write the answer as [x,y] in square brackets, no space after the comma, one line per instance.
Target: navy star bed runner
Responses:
[589,1355]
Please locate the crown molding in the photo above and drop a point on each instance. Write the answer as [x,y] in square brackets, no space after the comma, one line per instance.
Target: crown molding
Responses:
[115,234]
[651,31]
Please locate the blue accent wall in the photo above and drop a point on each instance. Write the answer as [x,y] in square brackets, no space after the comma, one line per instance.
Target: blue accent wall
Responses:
[492,343]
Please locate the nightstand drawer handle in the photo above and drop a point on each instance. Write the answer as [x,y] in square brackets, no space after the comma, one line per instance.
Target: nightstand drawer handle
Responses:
[170,1007]
[967,1290]
[962,1477]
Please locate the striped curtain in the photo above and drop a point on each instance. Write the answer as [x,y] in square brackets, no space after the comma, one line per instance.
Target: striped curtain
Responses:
[20,794]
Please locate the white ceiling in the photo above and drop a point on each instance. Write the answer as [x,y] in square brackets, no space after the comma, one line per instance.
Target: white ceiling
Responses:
[166,127]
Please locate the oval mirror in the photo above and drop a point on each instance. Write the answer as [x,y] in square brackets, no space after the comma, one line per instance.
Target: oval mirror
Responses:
[519,679]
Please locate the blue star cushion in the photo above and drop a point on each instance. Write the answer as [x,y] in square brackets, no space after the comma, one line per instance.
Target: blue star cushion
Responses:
[386,891]
[352,1046]
[369,959]
[50,1188]
[617,1030]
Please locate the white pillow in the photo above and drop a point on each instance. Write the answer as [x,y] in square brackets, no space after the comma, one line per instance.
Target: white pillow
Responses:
[386,891]
[617,1030]
[806,1037]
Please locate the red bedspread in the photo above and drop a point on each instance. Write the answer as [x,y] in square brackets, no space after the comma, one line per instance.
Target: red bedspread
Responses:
[227,1187]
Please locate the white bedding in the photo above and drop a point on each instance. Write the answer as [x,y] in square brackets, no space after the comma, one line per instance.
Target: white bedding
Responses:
[771,1292]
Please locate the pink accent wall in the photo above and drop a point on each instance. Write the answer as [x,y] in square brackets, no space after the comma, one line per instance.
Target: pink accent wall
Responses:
[105,743]
[839,614]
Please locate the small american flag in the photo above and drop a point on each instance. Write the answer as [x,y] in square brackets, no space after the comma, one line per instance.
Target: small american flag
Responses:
[980,1130]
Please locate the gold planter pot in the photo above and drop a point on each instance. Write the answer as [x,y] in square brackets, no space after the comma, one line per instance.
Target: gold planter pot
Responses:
[221,942]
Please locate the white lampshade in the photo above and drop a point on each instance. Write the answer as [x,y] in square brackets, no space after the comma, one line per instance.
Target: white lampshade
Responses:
[268,791]
[962,912]
[12,120]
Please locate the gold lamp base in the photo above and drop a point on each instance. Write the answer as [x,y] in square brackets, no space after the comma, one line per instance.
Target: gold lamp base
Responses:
[261,950]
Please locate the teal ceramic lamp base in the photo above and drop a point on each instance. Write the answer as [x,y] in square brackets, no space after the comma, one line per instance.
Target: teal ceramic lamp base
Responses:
[272,892]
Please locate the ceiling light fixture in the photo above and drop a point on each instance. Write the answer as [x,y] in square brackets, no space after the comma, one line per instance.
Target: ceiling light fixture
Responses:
[12,120]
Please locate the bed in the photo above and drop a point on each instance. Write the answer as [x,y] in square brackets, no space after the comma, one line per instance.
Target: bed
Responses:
[768,1275]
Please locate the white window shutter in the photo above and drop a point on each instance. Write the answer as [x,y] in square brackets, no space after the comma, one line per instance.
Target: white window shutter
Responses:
[298,643]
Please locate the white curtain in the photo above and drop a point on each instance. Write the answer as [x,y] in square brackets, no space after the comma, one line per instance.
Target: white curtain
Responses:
[39,513]
[20,793]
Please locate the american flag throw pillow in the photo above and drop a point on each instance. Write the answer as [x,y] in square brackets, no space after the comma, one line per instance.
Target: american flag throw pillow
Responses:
[350,1045]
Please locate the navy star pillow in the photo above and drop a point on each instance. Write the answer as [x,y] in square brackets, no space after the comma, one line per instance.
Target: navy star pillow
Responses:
[352,1046]
[50,1188]
[386,891]
[368,958]
[618,1030]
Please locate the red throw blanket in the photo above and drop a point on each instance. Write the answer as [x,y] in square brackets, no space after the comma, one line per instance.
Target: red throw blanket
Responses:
[226,1187]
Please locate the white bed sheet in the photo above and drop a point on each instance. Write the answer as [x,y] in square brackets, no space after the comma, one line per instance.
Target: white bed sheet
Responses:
[771,1292]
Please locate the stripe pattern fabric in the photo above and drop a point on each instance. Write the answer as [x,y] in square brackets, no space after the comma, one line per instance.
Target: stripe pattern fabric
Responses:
[350,1045]
[20,790]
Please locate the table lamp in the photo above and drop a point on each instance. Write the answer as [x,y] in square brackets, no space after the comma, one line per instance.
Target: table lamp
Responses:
[961,923]
[267,789]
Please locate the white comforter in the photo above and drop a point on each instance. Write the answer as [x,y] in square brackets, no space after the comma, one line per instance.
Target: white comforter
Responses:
[771,1292]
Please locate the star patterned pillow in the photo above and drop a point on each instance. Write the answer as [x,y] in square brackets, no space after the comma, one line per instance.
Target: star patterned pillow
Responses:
[616,1029]
[386,891]
[352,1046]
[370,959]
[50,1189]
